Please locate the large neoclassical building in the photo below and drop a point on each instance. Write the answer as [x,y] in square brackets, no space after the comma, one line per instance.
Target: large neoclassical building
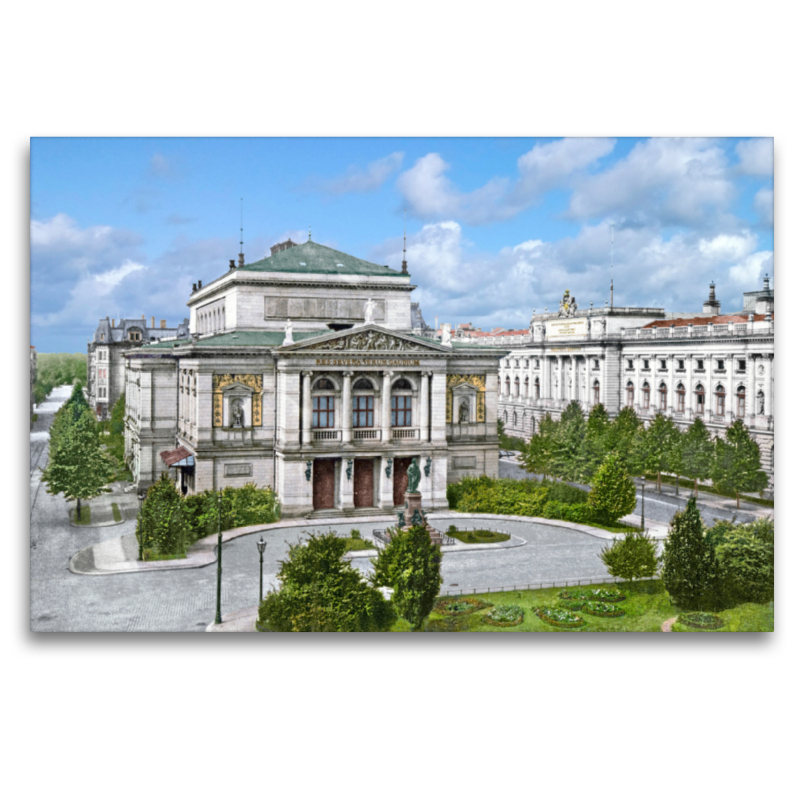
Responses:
[706,364]
[302,372]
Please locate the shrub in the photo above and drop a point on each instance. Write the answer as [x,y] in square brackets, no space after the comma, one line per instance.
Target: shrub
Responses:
[613,493]
[564,493]
[631,558]
[320,592]
[163,522]
[247,505]
[578,512]
[745,566]
[689,572]
[411,565]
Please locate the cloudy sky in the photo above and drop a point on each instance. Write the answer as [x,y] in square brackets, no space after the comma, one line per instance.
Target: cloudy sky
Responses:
[495,227]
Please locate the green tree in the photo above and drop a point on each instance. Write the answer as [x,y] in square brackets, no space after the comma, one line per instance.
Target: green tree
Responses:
[737,462]
[538,455]
[411,565]
[689,570]
[613,493]
[675,458]
[570,432]
[77,465]
[320,592]
[654,445]
[621,436]
[697,452]
[593,448]
[164,521]
[631,558]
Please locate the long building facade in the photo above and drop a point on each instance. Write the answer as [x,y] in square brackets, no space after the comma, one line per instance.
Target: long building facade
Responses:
[302,372]
[709,365]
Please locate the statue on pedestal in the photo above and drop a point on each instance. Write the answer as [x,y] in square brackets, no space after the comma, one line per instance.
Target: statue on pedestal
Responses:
[287,333]
[414,476]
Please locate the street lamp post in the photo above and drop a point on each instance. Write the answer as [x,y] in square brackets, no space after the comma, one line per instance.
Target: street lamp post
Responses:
[643,503]
[141,495]
[262,546]
[218,618]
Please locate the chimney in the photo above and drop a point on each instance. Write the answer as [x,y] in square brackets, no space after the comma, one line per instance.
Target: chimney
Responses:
[142,316]
[241,259]
[712,305]
[152,322]
[163,324]
[112,322]
[766,283]
[233,265]
[194,287]
[199,284]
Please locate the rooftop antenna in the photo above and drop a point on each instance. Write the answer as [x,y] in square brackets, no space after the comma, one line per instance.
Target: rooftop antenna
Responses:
[404,265]
[309,233]
[241,234]
[612,266]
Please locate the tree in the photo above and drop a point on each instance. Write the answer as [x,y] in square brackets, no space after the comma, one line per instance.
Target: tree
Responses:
[320,592]
[631,558]
[620,438]
[745,561]
[613,493]
[411,565]
[737,462]
[654,445]
[675,458]
[77,465]
[538,456]
[593,448]
[689,571]
[570,432]
[697,452]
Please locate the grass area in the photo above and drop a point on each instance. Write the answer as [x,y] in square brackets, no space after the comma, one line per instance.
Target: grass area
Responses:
[667,482]
[150,555]
[85,517]
[646,608]
[116,512]
[354,543]
[35,418]
[478,537]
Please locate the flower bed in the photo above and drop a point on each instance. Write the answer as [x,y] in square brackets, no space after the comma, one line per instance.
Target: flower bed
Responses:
[505,616]
[701,620]
[600,609]
[604,595]
[461,605]
[559,617]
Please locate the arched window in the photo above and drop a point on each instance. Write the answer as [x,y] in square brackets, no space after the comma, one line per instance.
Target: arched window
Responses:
[533,425]
[680,391]
[363,404]
[700,398]
[363,385]
[740,396]
[720,395]
[324,385]
[629,394]
[401,404]
[508,386]
[527,387]
[596,392]
[646,395]
[536,387]
[662,396]
[516,387]
[514,420]
[505,418]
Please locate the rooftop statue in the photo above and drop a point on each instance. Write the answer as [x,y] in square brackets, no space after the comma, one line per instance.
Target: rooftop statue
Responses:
[369,311]
[568,306]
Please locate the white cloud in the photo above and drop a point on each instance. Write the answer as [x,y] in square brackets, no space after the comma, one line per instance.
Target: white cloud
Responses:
[728,247]
[764,204]
[748,271]
[360,180]
[672,181]
[160,166]
[755,156]
[430,195]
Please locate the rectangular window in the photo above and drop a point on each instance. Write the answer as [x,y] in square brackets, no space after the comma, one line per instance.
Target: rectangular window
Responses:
[720,403]
[401,410]
[663,364]
[363,412]
[630,363]
[647,363]
[740,405]
[700,364]
[720,364]
[742,365]
[322,415]
[681,402]
[681,363]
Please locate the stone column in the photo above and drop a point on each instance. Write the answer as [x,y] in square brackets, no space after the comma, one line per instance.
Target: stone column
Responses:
[347,408]
[573,363]
[386,414]
[545,373]
[671,385]
[424,435]
[306,438]
[768,384]
[751,387]
[732,384]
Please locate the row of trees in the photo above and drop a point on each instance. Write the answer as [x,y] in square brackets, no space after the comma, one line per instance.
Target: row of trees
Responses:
[574,447]
[78,465]
[57,369]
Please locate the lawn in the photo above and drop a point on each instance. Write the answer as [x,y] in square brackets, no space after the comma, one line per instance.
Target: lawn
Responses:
[645,609]
[477,537]
[85,517]
[357,543]
[116,512]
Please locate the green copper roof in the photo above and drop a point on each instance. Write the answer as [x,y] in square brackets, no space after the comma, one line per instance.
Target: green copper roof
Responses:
[314,258]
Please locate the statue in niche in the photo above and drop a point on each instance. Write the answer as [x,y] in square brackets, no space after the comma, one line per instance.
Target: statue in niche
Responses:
[463,411]
[414,476]
[760,397]
[369,311]
[237,414]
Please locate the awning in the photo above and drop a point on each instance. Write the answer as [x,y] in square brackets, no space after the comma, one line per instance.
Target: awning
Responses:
[178,458]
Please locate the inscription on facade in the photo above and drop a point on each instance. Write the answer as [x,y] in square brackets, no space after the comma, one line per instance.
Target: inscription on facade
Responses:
[566,328]
[464,462]
[232,470]
[368,362]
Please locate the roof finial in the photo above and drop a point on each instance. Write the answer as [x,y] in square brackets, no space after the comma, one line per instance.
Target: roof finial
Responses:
[612,265]
[309,233]
[241,235]
[404,265]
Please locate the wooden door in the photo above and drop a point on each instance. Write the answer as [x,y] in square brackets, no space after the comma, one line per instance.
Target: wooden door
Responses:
[324,479]
[363,487]
[401,466]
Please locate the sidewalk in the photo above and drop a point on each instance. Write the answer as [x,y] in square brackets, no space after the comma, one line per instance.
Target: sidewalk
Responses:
[102,514]
[241,621]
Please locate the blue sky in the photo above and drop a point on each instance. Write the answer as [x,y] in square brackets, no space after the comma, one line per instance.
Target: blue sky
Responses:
[496,226]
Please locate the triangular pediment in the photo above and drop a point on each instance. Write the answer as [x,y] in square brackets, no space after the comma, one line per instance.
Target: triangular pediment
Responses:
[365,339]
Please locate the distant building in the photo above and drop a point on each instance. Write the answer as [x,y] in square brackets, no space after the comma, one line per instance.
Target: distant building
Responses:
[33,381]
[105,366]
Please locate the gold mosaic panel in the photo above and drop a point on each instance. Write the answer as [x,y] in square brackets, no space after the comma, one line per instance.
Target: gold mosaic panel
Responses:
[220,382]
[479,382]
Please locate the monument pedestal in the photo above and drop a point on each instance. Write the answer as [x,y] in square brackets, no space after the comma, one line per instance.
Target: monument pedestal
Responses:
[413,514]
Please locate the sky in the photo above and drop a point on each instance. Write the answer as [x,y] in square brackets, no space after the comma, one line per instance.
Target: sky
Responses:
[495,226]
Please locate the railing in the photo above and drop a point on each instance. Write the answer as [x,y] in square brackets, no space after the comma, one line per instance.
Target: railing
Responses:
[366,433]
[519,587]
[384,537]
[326,434]
[688,331]
[405,433]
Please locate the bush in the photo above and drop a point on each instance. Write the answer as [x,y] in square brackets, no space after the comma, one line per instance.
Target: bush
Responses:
[246,505]
[564,493]
[613,493]
[745,564]
[631,558]
[320,592]
[411,565]
[578,512]
[163,522]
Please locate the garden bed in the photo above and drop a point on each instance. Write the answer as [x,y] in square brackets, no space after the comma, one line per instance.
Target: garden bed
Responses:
[478,536]
[700,620]
[458,606]
[505,616]
[559,617]
[600,594]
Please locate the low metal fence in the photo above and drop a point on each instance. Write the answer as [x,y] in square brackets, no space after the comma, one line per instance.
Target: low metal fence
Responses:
[519,587]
